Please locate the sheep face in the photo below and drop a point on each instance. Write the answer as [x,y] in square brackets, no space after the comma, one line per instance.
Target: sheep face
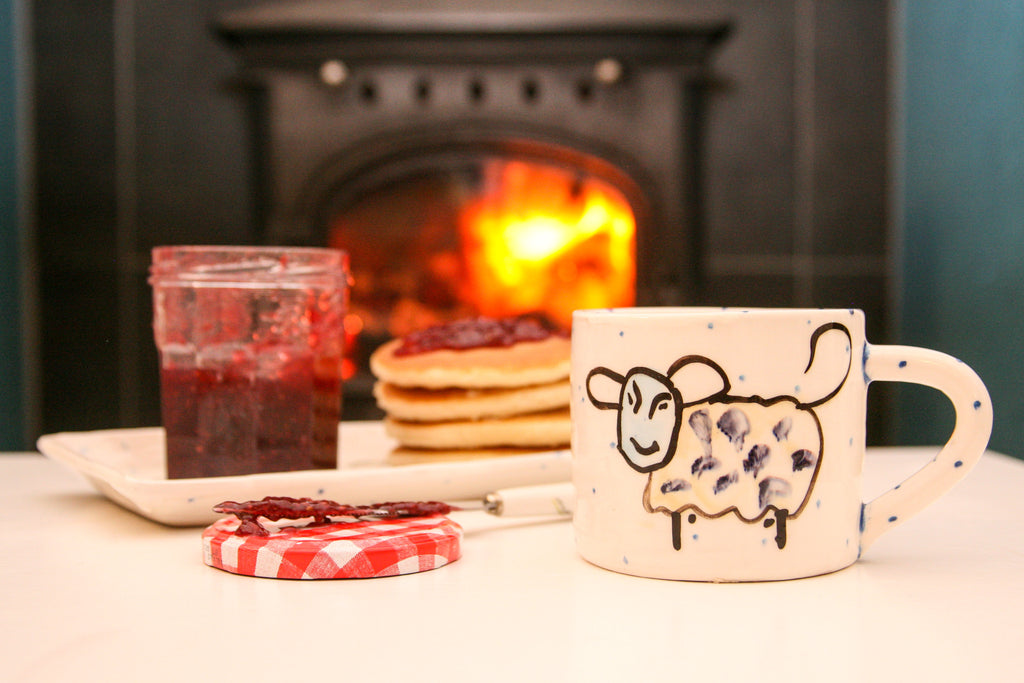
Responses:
[648,424]
[649,408]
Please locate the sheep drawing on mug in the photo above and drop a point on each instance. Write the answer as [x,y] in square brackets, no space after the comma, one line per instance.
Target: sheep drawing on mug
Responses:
[754,457]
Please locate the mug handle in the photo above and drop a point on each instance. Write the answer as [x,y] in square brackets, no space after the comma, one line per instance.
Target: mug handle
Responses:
[961,452]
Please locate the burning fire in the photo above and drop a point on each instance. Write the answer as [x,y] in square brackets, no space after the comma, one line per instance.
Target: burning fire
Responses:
[539,238]
[529,238]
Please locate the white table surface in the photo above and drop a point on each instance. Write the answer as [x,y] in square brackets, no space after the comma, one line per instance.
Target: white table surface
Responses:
[91,591]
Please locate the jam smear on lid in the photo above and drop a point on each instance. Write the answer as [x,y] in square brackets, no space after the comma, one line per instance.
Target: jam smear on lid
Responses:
[275,508]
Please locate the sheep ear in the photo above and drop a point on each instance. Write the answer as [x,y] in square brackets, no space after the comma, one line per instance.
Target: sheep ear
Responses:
[698,378]
[604,388]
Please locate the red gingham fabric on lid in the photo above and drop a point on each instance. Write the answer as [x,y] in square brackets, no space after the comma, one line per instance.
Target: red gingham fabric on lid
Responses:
[358,550]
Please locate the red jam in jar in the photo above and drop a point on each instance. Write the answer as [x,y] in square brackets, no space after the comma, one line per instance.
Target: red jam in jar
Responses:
[250,343]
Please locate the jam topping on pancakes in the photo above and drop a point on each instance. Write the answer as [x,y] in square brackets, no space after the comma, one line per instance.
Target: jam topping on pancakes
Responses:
[474,333]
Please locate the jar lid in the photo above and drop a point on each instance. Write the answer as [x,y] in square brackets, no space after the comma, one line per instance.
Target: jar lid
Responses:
[357,550]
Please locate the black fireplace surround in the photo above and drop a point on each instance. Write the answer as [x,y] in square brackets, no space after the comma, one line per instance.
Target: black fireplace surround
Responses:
[346,101]
[748,137]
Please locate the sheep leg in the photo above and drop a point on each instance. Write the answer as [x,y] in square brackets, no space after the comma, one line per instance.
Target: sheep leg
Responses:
[780,526]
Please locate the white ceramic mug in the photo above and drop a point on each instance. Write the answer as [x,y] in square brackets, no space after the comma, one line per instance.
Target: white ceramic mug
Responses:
[716,444]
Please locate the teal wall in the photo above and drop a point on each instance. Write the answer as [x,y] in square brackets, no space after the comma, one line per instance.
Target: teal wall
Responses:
[963,203]
[11,380]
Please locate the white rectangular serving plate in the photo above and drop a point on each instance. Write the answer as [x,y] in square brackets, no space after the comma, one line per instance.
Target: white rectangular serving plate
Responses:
[127,466]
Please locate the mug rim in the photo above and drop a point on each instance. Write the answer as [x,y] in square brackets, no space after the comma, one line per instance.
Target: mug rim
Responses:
[704,311]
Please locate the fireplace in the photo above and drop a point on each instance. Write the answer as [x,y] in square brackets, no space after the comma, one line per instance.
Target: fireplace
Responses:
[475,162]
[748,138]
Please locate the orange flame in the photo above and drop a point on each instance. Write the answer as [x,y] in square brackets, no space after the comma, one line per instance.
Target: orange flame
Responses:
[539,238]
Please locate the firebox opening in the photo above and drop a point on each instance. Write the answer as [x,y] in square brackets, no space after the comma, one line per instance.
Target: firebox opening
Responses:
[492,234]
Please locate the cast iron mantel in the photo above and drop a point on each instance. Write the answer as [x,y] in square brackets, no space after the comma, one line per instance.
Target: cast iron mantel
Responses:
[469,32]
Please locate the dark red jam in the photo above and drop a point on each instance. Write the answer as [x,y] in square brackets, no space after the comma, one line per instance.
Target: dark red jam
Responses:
[229,421]
[475,333]
[275,508]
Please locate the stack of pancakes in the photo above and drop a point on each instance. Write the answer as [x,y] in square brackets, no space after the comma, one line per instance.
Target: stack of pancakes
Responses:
[476,398]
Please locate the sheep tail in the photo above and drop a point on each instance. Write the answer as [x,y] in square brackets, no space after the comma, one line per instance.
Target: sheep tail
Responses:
[827,327]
